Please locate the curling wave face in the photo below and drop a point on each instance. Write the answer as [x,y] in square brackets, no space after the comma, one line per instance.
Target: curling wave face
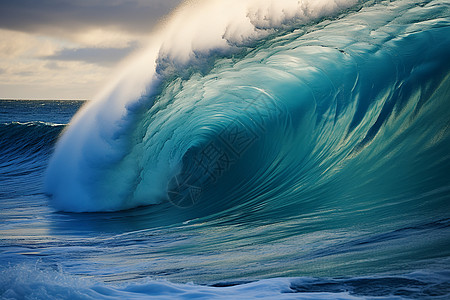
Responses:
[335,110]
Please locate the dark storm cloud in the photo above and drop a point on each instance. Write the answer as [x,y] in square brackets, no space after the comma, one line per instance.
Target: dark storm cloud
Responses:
[70,15]
[99,56]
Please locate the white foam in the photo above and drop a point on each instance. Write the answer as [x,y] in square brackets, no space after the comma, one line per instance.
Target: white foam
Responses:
[202,26]
[25,282]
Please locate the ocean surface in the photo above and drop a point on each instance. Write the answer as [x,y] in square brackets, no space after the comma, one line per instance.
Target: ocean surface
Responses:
[255,149]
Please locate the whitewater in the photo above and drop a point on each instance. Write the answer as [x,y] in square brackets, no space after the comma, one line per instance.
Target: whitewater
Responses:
[275,149]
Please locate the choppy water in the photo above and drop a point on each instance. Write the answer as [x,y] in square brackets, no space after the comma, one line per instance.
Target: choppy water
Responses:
[308,159]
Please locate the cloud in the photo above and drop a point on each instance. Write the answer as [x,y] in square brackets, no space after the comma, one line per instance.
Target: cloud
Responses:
[25,73]
[68,49]
[68,15]
[52,65]
[17,44]
[39,79]
[99,56]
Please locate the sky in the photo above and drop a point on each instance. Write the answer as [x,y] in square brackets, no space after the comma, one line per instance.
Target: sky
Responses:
[66,49]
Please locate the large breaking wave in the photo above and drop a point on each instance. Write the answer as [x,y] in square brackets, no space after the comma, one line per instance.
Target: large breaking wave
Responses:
[279,108]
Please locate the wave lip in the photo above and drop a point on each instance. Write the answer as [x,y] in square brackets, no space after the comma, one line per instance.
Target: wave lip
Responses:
[342,84]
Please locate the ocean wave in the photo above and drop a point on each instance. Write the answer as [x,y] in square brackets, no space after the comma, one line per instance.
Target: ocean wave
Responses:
[274,114]
[18,137]
[23,147]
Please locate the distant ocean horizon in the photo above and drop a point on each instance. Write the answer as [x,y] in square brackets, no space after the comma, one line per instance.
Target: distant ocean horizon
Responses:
[59,111]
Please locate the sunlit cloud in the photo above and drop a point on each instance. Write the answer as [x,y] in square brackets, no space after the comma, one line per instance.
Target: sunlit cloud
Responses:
[26,72]
[16,44]
[107,38]
[68,49]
